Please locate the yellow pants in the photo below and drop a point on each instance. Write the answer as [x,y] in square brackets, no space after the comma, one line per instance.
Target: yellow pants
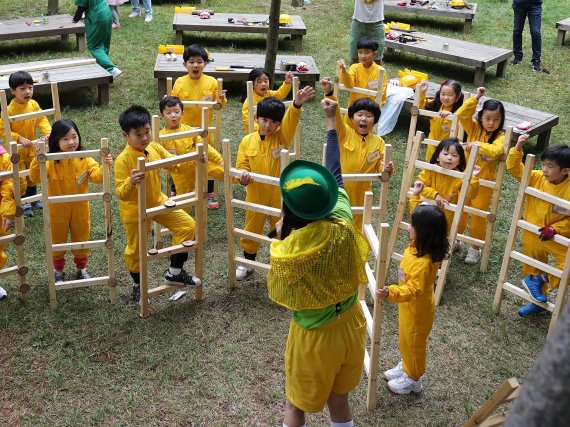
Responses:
[324,360]
[539,250]
[178,222]
[478,225]
[3,256]
[187,185]
[415,320]
[355,191]
[267,195]
[71,218]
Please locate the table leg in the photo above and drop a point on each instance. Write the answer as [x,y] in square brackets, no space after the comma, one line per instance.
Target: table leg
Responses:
[103,94]
[560,37]
[467,26]
[179,35]
[65,38]
[81,46]
[479,77]
[543,139]
[161,83]
[297,42]
[501,68]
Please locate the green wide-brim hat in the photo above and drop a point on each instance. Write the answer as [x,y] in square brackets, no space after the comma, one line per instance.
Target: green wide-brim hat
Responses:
[310,190]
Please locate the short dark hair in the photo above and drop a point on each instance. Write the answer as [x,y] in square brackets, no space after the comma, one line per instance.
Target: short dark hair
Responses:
[435,104]
[256,73]
[430,226]
[364,104]
[367,43]
[271,108]
[558,153]
[492,105]
[134,117]
[170,101]
[194,50]
[58,130]
[445,145]
[19,78]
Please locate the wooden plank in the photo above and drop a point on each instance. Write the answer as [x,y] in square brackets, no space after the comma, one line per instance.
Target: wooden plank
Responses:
[57,25]
[442,10]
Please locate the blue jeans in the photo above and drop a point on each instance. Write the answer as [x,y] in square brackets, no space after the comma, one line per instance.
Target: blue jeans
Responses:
[136,4]
[534,13]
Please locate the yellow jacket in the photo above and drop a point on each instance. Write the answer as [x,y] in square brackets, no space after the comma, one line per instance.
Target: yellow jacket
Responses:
[439,128]
[539,212]
[262,156]
[280,93]
[203,89]
[365,78]
[449,187]
[7,203]
[488,156]
[127,193]
[185,176]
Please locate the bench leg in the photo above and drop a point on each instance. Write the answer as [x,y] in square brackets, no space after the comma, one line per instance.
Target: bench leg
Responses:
[81,46]
[103,94]
[297,42]
[479,77]
[161,83]
[179,35]
[543,139]
[560,37]
[467,26]
[501,68]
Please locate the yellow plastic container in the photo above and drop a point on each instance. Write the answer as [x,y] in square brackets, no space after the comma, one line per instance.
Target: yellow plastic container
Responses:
[418,74]
[184,9]
[171,48]
[399,26]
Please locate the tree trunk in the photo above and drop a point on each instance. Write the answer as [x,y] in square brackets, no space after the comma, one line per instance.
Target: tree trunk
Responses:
[272,38]
[53,6]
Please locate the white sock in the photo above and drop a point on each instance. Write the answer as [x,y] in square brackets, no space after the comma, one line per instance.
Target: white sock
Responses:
[345,424]
[174,271]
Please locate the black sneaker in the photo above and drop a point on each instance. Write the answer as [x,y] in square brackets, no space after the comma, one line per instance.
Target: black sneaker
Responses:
[536,67]
[82,275]
[516,61]
[59,276]
[136,293]
[182,278]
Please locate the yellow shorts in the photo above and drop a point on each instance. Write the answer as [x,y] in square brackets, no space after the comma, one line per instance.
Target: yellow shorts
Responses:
[324,360]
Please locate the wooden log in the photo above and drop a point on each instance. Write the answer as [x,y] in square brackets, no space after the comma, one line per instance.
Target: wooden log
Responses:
[230,221]
[48,66]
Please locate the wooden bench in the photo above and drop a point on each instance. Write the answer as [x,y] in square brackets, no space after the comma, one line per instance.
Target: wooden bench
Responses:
[57,25]
[562,27]
[542,122]
[457,51]
[219,23]
[243,62]
[67,72]
[391,6]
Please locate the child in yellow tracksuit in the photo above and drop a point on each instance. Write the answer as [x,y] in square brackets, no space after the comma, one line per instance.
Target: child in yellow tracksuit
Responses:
[552,219]
[197,86]
[361,151]
[261,90]
[69,176]
[171,110]
[444,189]
[7,204]
[414,296]
[447,100]
[258,152]
[24,131]
[488,130]
[135,126]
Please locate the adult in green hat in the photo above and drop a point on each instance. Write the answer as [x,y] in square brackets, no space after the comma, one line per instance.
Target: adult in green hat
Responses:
[316,269]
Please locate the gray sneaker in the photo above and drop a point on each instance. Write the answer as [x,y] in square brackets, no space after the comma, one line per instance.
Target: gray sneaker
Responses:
[59,276]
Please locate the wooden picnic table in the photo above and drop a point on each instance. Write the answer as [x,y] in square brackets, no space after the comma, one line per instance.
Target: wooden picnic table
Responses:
[562,27]
[218,22]
[442,10]
[542,122]
[457,51]
[57,25]
[67,72]
[174,69]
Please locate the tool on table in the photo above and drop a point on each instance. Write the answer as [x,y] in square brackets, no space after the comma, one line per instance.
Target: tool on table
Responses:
[198,12]
[408,38]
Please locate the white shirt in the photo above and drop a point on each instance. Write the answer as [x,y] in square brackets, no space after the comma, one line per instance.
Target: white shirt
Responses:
[368,10]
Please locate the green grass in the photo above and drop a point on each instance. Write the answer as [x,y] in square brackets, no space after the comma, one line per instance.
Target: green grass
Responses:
[220,361]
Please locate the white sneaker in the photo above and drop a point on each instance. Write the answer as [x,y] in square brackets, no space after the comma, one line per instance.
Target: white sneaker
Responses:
[473,255]
[148,18]
[3,293]
[242,272]
[395,372]
[134,15]
[116,72]
[405,385]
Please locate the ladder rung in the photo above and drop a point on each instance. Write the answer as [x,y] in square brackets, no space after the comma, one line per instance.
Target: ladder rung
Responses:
[523,294]
[83,283]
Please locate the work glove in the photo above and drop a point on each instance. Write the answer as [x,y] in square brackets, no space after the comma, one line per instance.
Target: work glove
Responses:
[546,233]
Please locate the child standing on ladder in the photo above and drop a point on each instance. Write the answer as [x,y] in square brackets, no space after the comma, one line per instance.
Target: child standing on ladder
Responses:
[24,131]
[552,220]
[414,296]
[69,176]
[197,86]
[259,152]
[488,130]
[316,269]
[262,90]
[7,207]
